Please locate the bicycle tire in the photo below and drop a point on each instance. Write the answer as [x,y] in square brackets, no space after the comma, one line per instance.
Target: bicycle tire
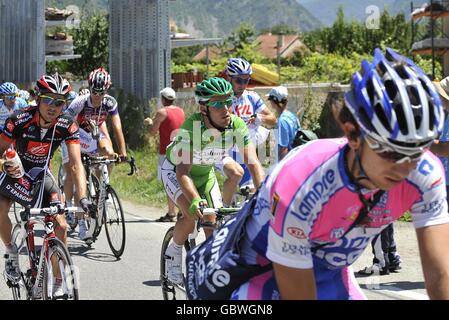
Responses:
[93,197]
[16,208]
[117,217]
[61,177]
[69,275]
[20,290]
[168,289]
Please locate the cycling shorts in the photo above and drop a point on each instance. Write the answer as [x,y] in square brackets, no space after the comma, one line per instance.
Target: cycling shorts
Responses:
[206,185]
[26,191]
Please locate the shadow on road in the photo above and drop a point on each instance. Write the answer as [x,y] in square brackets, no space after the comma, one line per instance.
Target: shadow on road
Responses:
[403,285]
[152,283]
[406,285]
[77,249]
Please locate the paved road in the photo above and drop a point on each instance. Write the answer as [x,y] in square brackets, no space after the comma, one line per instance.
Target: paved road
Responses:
[136,275]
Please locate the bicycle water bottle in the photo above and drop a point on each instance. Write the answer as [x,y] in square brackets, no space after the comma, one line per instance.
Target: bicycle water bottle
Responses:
[13,157]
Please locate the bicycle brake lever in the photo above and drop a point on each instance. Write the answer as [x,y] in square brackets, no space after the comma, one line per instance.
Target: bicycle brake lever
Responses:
[132,165]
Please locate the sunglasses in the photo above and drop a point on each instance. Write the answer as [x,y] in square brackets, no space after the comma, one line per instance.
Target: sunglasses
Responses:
[386,153]
[10,96]
[220,103]
[98,93]
[241,81]
[53,101]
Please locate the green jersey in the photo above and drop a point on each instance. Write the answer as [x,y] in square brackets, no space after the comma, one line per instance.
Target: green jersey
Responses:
[202,147]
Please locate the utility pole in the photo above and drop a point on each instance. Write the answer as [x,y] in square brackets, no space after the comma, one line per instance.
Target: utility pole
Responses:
[278,54]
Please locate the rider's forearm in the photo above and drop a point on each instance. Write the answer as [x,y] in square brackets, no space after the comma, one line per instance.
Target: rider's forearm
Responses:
[268,120]
[120,139]
[257,174]
[79,179]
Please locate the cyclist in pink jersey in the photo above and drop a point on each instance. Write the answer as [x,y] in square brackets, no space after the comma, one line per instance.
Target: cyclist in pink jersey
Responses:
[325,201]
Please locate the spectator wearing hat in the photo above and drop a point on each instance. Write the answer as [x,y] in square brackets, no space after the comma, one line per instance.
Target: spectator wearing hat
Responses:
[287,124]
[167,121]
[441,147]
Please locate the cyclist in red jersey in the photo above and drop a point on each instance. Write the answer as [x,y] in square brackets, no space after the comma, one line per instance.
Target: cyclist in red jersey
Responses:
[36,133]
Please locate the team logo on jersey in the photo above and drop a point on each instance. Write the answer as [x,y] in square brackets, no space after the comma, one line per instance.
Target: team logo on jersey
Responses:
[425,167]
[24,182]
[38,149]
[337,233]
[436,183]
[276,199]
[73,128]
[297,233]
[352,213]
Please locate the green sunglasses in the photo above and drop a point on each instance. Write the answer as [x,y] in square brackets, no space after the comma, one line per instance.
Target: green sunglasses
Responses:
[53,101]
[220,103]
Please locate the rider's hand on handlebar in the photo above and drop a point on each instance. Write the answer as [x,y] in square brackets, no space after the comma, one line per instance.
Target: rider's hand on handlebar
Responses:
[88,207]
[120,158]
[195,207]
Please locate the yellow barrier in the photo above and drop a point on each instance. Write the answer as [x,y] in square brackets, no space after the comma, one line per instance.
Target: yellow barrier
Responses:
[263,75]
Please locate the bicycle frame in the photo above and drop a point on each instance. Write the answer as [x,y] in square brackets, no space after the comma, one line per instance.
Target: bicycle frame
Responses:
[101,163]
[37,262]
[103,185]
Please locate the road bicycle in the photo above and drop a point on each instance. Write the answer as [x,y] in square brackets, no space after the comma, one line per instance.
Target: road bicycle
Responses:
[41,266]
[174,291]
[109,207]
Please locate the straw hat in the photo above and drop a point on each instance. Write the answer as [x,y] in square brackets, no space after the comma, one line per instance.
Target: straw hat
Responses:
[443,87]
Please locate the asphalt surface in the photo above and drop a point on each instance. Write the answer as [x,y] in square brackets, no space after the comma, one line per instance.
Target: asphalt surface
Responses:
[136,274]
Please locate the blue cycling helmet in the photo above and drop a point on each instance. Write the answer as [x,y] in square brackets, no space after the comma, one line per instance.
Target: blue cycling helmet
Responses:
[395,103]
[8,88]
[238,67]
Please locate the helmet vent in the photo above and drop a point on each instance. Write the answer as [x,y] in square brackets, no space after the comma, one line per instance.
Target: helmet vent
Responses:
[402,121]
[413,95]
[401,71]
[392,90]
[382,116]
[431,115]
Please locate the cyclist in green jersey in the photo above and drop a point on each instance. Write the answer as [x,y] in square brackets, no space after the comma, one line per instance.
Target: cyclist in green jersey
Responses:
[188,172]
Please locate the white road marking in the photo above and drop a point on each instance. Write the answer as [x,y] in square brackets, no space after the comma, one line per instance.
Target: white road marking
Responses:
[409,294]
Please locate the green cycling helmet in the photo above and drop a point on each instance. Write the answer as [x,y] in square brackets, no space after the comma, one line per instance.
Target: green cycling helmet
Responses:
[213,87]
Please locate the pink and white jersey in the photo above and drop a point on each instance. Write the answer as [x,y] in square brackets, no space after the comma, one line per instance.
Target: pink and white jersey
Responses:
[82,110]
[309,200]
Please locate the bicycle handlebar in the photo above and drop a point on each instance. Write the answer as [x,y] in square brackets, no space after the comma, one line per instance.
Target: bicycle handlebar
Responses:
[53,210]
[94,160]
[223,211]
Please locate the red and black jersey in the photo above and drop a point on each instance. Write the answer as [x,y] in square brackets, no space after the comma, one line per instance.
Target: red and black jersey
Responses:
[32,142]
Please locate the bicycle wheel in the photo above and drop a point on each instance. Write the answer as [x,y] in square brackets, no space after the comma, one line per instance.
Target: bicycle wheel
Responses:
[171,291]
[61,177]
[21,289]
[16,208]
[59,264]
[114,222]
[93,194]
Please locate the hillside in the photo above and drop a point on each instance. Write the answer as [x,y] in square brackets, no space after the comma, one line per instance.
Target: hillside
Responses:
[220,17]
[326,10]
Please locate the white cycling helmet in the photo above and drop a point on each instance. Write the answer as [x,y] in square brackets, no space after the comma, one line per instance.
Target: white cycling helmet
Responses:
[395,103]
[238,67]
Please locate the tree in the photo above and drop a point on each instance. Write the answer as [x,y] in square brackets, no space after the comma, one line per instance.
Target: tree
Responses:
[91,40]
[279,29]
[244,34]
